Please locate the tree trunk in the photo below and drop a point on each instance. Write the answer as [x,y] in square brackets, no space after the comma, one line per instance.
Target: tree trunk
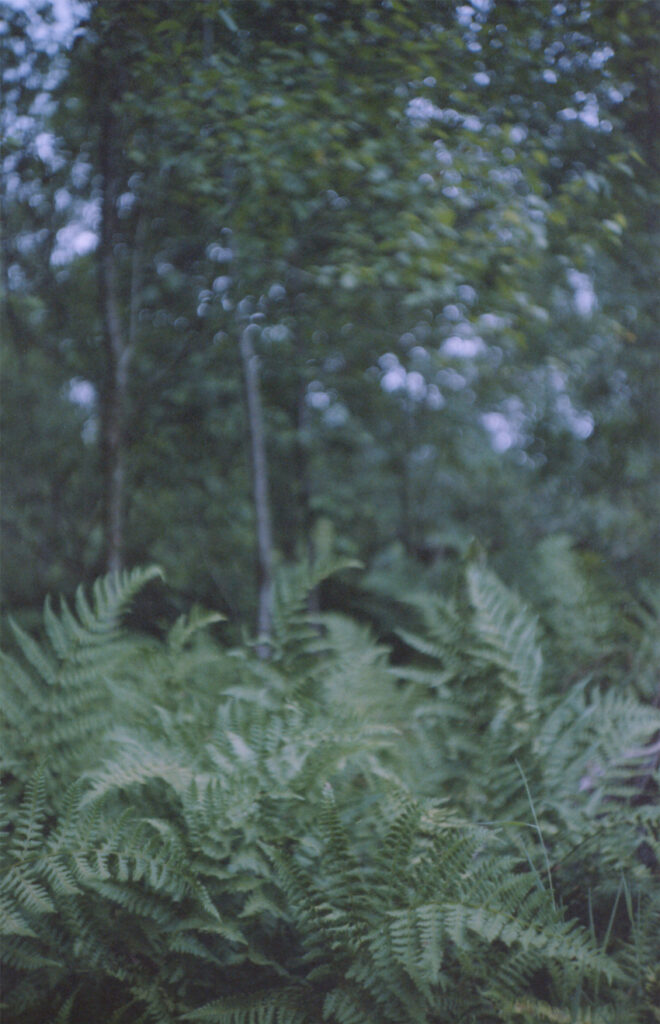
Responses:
[117,352]
[261,496]
[407,521]
[305,490]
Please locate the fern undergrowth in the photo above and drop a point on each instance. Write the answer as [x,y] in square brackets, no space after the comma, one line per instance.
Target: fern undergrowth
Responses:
[193,833]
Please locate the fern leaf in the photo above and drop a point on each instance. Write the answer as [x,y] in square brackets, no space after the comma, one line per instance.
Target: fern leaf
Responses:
[34,655]
[186,626]
[509,632]
[28,830]
[273,1006]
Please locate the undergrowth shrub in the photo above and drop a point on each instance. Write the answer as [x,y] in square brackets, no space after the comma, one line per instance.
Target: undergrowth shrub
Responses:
[194,833]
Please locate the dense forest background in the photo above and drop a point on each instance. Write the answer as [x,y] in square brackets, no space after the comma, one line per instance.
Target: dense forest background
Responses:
[381,270]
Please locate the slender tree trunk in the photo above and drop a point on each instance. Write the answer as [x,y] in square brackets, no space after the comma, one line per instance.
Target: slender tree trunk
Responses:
[406,497]
[117,352]
[306,490]
[261,495]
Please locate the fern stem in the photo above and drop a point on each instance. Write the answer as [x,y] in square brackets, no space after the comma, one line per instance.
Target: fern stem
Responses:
[540,834]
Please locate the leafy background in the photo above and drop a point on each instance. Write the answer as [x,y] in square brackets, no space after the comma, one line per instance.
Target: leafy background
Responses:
[287,288]
[441,223]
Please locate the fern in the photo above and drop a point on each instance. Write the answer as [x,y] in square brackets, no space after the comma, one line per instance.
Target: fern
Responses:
[282,1006]
[644,674]
[70,686]
[584,625]
[191,833]
[509,634]
[393,934]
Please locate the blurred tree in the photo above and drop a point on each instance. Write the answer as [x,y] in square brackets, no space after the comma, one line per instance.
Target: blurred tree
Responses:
[49,486]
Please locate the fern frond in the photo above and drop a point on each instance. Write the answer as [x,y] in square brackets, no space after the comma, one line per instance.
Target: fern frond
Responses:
[187,626]
[28,829]
[59,711]
[510,634]
[139,760]
[290,1005]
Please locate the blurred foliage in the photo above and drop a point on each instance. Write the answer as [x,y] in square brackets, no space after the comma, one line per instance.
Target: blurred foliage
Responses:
[443,222]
